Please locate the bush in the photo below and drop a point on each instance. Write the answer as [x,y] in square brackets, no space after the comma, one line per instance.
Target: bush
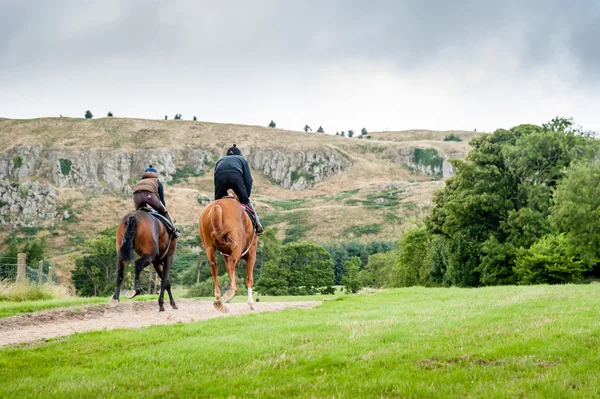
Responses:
[17,161]
[88,114]
[452,137]
[272,124]
[549,261]
[110,114]
[65,166]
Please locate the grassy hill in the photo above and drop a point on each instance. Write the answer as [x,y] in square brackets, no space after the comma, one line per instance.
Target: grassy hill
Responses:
[376,200]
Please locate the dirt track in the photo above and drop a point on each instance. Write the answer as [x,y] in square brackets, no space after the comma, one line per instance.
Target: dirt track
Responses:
[64,321]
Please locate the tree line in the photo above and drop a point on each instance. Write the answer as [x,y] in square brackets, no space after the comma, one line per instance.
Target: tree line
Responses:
[522,208]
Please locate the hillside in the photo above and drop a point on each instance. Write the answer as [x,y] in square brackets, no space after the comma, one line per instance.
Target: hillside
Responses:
[70,178]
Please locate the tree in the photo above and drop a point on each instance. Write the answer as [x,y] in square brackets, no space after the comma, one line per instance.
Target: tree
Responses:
[320,130]
[110,114]
[177,117]
[363,131]
[343,134]
[337,133]
[95,270]
[88,114]
[195,119]
[307,128]
[550,260]
[412,267]
[350,133]
[301,269]
[351,281]
[166,117]
[576,211]
[500,199]
[272,124]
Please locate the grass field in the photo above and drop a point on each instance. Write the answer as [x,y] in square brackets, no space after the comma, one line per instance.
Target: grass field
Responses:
[494,342]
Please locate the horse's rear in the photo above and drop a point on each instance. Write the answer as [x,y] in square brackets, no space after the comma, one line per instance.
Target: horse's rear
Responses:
[141,233]
[225,227]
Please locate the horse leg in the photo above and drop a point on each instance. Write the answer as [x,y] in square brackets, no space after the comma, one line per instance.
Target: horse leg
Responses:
[115,299]
[230,262]
[164,281]
[214,271]
[250,260]
[140,264]
[159,271]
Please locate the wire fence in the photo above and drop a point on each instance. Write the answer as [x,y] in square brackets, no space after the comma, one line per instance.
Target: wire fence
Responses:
[39,274]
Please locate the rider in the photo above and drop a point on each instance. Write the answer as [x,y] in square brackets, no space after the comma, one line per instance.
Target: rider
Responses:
[149,191]
[232,172]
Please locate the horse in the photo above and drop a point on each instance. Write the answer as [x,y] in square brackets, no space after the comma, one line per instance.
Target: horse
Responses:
[143,233]
[225,227]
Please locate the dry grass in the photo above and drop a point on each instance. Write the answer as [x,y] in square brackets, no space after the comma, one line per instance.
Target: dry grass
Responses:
[20,292]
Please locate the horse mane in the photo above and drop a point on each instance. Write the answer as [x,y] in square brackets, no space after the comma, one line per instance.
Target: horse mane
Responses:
[220,232]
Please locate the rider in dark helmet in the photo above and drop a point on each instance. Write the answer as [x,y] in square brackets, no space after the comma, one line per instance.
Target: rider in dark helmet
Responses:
[149,191]
[232,172]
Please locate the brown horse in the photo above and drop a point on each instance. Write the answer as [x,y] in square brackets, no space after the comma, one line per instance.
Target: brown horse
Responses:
[225,227]
[143,233]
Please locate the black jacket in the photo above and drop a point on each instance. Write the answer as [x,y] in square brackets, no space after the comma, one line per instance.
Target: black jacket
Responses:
[235,164]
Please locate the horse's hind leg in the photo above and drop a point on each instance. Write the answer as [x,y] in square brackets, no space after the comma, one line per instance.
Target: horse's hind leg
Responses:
[115,299]
[140,264]
[250,260]
[214,271]
[230,262]
[160,273]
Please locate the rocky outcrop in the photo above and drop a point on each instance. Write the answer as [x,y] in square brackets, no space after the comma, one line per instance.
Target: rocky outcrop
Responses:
[297,170]
[26,204]
[116,171]
[424,160]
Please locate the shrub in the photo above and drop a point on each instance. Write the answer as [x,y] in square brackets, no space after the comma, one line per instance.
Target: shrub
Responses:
[207,287]
[17,161]
[452,137]
[550,260]
[363,131]
[88,114]
[320,130]
[272,124]
[65,166]
[110,114]
[23,291]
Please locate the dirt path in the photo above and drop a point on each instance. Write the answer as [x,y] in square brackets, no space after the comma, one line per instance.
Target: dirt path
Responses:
[64,321]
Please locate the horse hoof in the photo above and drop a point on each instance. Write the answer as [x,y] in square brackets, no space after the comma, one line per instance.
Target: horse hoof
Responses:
[229,294]
[174,306]
[113,302]
[131,294]
[251,304]
[219,306]
[161,308]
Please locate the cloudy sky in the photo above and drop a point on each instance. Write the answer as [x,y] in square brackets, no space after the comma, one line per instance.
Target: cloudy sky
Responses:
[342,64]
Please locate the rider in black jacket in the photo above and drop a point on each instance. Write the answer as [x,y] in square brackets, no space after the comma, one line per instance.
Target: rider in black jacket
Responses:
[232,172]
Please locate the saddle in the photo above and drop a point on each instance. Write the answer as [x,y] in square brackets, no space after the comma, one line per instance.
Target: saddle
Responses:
[251,214]
[160,217]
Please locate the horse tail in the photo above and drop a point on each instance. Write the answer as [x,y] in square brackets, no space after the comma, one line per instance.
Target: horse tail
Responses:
[126,249]
[219,233]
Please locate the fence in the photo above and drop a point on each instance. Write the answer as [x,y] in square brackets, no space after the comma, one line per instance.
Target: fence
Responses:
[16,269]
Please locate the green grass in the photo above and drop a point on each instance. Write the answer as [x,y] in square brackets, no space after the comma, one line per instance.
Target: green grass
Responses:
[498,342]
[288,205]
[8,309]
[361,230]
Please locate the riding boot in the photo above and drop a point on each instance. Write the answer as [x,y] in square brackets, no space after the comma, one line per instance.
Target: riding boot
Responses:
[259,228]
[176,231]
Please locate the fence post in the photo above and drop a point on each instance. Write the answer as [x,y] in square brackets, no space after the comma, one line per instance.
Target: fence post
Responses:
[40,272]
[21,263]
[50,275]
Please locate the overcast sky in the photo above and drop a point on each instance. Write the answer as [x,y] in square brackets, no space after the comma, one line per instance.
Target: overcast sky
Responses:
[342,64]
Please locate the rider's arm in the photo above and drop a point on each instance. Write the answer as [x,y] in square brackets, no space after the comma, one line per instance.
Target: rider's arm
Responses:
[247,177]
[161,193]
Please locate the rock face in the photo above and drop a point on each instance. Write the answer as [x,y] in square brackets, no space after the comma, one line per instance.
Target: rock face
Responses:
[26,204]
[424,160]
[297,170]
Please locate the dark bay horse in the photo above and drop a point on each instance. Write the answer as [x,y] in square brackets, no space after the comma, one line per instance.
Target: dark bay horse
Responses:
[225,227]
[143,233]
